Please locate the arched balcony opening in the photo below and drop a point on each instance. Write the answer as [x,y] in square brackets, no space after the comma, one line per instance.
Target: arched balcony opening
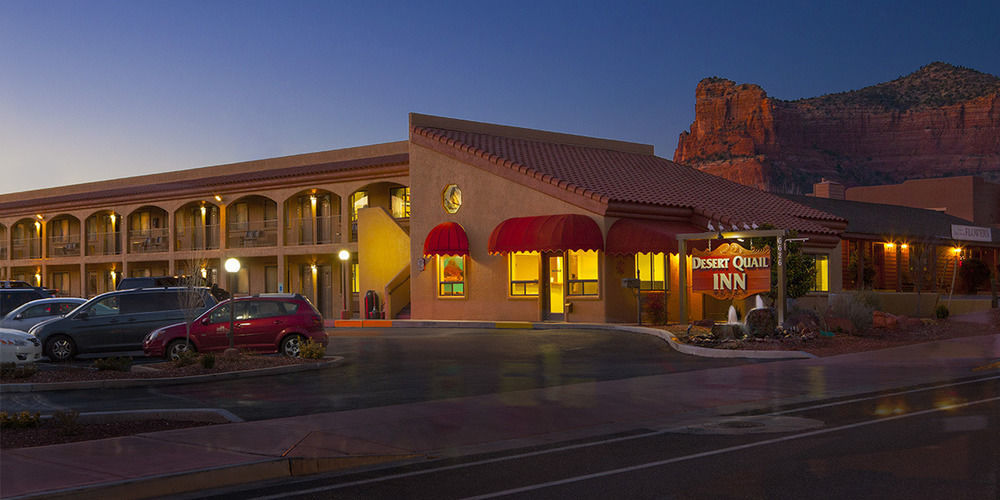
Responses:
[26,239]
[393,197]
[312,217]
[147,230]
[252,221]
[102,231]
[196,227]
[63,234]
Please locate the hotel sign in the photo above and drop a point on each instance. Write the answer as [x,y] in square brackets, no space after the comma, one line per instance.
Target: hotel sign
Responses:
[731,271]
[971,233]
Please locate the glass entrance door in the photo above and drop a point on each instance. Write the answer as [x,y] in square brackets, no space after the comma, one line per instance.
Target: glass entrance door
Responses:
[554,288]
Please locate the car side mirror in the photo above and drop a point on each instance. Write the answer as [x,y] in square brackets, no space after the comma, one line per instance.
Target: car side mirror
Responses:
[204,321]
[81,315]
[19,316]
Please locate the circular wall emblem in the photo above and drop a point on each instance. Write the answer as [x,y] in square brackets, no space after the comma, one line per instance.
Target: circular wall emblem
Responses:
[451,198]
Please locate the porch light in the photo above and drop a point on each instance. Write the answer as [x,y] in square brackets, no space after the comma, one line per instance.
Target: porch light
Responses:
[218,197]
[39,216]
[344,255]
[904,246]
[956,250]
[890,245]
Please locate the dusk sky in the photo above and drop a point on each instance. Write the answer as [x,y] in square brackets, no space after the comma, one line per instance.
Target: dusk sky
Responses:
[93,90]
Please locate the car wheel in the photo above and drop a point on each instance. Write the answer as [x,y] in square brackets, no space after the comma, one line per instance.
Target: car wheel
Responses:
[60,348]
[175,348]
[291,344]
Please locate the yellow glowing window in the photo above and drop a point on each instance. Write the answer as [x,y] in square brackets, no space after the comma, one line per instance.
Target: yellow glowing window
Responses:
[582,278]
[400,202]
[651,271]
[524,268]
[822,282]
[355,287]
[359,200]
[451,275]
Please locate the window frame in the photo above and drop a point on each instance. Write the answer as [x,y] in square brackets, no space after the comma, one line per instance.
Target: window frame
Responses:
[664,261]
[816,273]
[524,283]
[440,277]
[582,282]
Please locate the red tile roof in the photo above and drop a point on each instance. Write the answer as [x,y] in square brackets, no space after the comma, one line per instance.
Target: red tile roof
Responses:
[627,177]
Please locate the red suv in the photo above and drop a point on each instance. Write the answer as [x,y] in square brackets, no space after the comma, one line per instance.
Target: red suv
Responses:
[267,322]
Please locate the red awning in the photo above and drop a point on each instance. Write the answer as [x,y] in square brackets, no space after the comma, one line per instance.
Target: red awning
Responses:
[447,238]
[631,236]
[547,233]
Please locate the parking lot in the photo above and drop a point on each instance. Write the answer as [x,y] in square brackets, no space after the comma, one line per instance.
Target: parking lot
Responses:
[403,365]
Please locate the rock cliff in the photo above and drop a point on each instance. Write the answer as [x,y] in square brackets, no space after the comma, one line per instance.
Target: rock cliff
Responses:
[939,121]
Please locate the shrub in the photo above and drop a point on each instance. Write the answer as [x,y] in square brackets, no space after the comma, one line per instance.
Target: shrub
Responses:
[652,306]
[761,322]
[185,358]
[13,370]
[19,420]
[311,350]
[856,308]
[118,364]
[941,311]
[208,361]
[67,422]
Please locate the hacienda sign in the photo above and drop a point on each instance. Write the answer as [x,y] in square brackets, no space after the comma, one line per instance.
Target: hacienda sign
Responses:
[731,271]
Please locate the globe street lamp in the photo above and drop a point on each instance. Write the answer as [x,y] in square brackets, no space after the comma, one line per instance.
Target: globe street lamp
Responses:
[232,267]
[344,255]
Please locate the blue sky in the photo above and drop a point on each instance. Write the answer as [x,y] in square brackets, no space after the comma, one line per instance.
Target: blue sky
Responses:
[93,90]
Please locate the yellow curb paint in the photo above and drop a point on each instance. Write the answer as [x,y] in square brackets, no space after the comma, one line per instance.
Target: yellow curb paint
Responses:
[513,324]
[987,367]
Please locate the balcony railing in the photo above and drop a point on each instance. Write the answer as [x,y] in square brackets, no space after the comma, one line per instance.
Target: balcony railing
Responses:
[64,246]
[103,244]
[253,234]
[148,240]
[197,238]
[301,231]
[26,248]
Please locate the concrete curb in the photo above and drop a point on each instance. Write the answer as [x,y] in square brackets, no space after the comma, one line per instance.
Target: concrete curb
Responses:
[705,352]
[209,415]
[217,477]
[143,382]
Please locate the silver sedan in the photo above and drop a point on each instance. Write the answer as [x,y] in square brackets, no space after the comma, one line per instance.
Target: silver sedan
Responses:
[18,347]
[36,311]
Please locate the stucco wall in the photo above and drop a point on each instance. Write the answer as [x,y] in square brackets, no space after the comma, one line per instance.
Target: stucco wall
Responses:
[487,201]
[383,250]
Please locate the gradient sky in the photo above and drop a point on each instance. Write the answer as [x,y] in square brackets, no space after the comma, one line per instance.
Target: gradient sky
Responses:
[93,90]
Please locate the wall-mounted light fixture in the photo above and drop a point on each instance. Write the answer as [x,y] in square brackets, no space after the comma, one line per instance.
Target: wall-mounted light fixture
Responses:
[218,197]
[904,246]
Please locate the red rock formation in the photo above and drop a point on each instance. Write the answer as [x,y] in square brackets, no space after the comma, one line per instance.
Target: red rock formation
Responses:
[939,121]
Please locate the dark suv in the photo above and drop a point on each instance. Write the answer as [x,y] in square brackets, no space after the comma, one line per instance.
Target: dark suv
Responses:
[266,322]
[118,321]
[12,298]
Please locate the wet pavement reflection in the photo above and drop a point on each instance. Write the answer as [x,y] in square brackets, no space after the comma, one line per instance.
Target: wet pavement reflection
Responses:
[396,366]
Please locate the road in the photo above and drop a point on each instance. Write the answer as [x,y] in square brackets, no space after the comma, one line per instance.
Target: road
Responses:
[933,441]
[403,365]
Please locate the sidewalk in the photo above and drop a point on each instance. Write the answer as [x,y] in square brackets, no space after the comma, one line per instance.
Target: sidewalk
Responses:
[168,462]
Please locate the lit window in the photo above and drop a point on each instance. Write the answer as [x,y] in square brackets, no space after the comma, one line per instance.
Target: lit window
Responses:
[355,286]
[822,281]
[400,202]
[451,275]
[359,200]
[524,273]
[651,270]
[583,275]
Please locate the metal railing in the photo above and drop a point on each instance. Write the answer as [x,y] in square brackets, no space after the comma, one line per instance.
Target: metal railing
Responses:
[307,231]
[103,244]
[148,240]
[26,248]
[253,234]
[64,246]
[197,238]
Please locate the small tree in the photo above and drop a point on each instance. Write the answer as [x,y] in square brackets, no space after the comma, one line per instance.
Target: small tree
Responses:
[800,269]
[192,302]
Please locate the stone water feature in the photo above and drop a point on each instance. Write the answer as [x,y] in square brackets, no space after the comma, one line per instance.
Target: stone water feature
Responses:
[761,321]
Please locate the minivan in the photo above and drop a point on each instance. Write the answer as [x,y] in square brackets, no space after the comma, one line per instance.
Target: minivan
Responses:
[119,320]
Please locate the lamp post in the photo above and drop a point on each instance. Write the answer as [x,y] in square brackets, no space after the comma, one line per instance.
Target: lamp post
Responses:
[232,267]
[344,255]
